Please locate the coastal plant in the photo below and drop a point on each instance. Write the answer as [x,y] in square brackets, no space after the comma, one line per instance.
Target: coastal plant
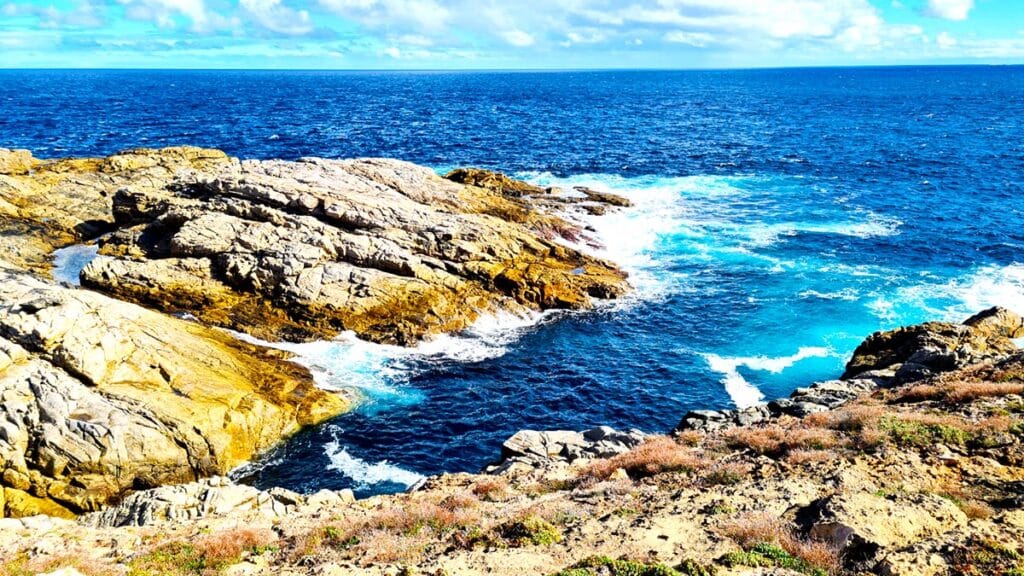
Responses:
[925,430]
[529,530]
[726,473]
[492,489]
[776,440]
[656,455]
[604,565]
[768,541]
[983,557]
[766,555]
[208,554]
[802,456]
[960,392]
[22,565]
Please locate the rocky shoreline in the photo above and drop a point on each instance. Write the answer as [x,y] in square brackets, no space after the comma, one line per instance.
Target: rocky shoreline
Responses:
[119,418]
[106,390]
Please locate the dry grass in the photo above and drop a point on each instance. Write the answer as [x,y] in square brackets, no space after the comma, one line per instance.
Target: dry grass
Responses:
[228,545]
[960,392]
[751,530]
[21,565]
[976,509]
[776,440]
[492,489]
[690,438]
[655,456]
[726,473]
[801,456]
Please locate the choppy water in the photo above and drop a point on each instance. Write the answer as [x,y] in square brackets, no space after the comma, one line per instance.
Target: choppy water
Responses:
[781,217]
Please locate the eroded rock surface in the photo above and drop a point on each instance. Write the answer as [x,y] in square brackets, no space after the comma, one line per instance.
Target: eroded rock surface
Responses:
[48,204]
[307,249]
[100,397]
[916,352]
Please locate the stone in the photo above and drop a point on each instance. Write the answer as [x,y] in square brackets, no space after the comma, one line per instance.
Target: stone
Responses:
[15,162]
[102,397]
[920,351]
[538,448]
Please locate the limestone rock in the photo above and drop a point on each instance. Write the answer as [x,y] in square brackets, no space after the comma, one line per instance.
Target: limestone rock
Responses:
[100,397]
[493,181]
[916,352]
[15,162]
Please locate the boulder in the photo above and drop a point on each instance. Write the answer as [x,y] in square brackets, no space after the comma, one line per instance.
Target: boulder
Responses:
[538,448]
[15,162]
[100,397]
[917,352]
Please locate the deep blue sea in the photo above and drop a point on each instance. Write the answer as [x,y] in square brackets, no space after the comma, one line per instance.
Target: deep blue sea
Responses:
[781,216]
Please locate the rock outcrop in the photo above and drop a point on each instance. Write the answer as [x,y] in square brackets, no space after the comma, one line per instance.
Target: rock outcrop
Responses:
[532,448]
[100,397]
[48,204]
[216,496]
[307,249]
[916,352]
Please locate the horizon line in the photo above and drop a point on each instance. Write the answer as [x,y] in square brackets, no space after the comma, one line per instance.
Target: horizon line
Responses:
[507,70]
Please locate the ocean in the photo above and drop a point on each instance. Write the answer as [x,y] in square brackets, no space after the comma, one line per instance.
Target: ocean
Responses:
[781,216]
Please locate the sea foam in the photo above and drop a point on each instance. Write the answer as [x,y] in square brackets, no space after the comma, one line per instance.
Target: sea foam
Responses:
[364,473]
[743,393]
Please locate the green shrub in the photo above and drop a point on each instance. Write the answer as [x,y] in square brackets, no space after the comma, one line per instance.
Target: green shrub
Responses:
[603,564]
[771,556]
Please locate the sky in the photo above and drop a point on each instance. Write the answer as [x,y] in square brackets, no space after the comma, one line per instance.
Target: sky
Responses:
[506,34]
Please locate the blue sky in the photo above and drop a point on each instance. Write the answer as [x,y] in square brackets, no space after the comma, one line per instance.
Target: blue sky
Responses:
[419,34]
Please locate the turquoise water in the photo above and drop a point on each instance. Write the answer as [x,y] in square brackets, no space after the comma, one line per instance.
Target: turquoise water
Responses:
[781,217]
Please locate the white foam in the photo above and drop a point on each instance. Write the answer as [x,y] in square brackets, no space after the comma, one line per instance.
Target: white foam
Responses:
[743,393]
[956,299]
[365,473]
[872,226]
[68,262]
[846,294]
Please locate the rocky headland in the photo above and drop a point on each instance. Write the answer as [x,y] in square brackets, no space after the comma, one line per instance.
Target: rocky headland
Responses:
[119,415]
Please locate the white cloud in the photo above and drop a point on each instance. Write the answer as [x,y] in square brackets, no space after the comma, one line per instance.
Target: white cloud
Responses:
[518,38]
[421,15]
[164,12]
[944,40]
[393,52]
[950,9]
[274,16]
[696,39]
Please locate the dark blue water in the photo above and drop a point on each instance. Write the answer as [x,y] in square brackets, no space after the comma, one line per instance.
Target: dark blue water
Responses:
[781,216]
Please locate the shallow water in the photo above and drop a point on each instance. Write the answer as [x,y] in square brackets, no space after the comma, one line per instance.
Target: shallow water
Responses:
[781,217]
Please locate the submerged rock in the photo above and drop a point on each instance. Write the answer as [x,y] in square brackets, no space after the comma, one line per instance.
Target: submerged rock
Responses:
[917,352]
[100,397]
